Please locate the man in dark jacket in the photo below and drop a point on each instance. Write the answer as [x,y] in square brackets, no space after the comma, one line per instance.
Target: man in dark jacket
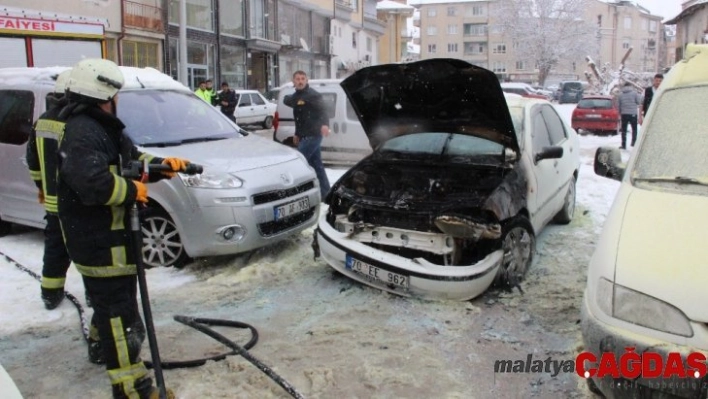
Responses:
[311,124]
[629,103]
[93,202]
[42,163]
[649,95]
[227,99]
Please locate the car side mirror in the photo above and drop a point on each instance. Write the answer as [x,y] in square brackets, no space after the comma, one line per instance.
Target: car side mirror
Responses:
[554,152]
[608,163]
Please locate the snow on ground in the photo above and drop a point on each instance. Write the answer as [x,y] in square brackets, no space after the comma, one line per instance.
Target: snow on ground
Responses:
[328,336]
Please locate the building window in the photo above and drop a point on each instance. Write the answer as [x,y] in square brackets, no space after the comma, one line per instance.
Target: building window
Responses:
[652,26]
[432,48]
[475,48]
[452,47]
[231,18]
[140,54]
[452,29]
[626,43]
[432,12]
[499,48]
[432,30]
[233,66]
[499,67]
[112,50]
[521,65]
[451,11]
[644,24]
[475,11]
[369,44]
[475,29]
[628,22]
[353,39]
[199,14]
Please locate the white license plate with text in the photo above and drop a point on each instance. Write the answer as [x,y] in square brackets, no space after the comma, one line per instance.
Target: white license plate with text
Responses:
[291,208]
[372,272]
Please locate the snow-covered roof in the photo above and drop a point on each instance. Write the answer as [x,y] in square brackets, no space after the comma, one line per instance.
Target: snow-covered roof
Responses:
[389,5]
[135,78]
[690,10]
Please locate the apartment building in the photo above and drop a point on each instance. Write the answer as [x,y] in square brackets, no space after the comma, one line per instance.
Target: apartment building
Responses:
[355,36]
[393,44]
[691,25]
[466,29]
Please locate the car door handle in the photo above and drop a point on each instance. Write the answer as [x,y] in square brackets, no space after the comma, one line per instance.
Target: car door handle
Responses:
[336,127]
[555,164]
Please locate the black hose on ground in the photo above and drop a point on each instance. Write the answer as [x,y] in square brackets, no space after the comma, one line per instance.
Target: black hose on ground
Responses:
[200,324]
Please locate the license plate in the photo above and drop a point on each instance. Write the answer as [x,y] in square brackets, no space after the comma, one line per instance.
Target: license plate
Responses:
[291,208]
[594,116]
[372,272]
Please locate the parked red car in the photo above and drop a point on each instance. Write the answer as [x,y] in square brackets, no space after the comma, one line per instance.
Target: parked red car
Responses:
[596,114]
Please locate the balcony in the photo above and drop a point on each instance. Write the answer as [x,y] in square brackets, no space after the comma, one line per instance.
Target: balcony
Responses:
[143,17]
[416,22]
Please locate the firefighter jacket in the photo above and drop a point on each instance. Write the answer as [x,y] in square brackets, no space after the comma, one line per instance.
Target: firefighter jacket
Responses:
[93,196]
[42,151]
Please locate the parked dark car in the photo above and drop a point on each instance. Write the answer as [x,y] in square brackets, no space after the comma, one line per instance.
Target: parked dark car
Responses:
[570,91]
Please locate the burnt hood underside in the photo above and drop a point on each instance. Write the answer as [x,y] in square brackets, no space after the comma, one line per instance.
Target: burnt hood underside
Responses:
[434,95]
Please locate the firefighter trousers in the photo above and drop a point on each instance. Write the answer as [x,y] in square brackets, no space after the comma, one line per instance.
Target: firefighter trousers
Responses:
[56,258]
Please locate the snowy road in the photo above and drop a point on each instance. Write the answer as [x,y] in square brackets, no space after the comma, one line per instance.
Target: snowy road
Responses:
[328,336]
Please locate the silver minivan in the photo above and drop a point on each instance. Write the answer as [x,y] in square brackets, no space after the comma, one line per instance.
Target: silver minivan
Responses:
[347,143]
[253,192]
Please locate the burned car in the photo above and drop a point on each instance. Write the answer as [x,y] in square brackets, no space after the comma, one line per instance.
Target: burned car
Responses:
[461,180]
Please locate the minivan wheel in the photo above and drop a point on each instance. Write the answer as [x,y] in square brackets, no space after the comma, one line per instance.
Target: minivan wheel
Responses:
[162,244]
[565,215]
[519,245]
[5,228]
[268,122]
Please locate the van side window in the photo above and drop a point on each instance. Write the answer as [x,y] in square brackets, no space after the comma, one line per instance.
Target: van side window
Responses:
[351,114]
[330,100]
[16,111]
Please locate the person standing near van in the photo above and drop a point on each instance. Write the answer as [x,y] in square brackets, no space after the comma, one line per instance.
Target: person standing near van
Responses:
[649,95]
[311,125]
[41,160]
[629,103]
[93,199]
[227,99]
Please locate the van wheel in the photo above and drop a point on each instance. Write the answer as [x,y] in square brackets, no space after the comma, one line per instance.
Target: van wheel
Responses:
[5,228]
[519,245]
[268,122]
[162,244]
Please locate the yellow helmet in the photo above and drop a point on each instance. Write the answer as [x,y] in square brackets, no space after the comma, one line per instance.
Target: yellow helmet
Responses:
[61,81]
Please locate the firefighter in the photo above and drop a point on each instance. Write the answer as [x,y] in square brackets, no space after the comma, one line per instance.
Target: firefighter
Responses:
[93,203]
[42,162]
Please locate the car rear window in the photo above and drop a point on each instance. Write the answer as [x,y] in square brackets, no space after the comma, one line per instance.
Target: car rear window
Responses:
[572,86]
[595,103]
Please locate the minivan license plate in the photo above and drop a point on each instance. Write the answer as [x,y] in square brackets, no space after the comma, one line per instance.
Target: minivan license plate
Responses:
[291,208]
[372,272]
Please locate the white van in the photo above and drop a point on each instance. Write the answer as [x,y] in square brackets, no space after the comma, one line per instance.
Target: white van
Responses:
[347,143]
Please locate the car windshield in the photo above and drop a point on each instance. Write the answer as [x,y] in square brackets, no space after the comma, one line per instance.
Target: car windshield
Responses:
[672,152]
[448,147]
[595,103]
[164,117]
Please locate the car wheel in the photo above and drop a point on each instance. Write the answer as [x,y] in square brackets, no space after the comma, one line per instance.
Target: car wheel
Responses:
[519,245]
[162,244]
[565,215]
[5,228]
[268,122]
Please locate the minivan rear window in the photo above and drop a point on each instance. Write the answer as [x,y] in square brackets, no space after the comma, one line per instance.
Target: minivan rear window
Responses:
[16,112]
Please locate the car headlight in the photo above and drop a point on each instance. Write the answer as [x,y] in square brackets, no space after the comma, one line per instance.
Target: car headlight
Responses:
[208,180]
[634,307]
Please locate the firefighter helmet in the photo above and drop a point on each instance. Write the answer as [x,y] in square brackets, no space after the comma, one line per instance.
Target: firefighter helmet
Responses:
[61,80]
[95,78]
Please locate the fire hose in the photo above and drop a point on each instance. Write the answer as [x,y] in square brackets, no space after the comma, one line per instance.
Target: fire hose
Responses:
[134,170]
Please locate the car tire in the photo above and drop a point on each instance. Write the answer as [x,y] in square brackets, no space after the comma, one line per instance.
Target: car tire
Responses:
[162,244]
[5,228]
[565,215]
[519,245]
[268,122]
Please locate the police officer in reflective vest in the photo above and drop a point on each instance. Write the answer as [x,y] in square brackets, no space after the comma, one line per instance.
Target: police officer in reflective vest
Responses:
[42,162]
[93,203]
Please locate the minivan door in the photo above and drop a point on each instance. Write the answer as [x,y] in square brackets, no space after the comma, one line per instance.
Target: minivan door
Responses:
[347,142]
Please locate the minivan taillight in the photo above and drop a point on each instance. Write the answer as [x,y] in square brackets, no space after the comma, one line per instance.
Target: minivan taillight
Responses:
[276,121]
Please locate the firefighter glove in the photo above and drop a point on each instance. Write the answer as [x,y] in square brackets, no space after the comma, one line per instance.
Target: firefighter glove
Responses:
[177,165]
[142,191]
[40,196]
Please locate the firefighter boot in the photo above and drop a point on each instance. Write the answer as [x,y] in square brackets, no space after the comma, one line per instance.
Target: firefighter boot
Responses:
[95,352]
[52,297]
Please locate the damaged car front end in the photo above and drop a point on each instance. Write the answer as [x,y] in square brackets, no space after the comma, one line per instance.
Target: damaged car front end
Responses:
[434,209]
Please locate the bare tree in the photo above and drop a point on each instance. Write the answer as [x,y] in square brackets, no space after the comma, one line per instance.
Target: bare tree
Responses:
[545,32]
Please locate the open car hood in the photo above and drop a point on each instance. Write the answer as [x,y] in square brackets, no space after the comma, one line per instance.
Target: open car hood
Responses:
[433,95]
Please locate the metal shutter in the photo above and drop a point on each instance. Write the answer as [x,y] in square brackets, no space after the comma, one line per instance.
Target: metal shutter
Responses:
[13,52]
[52,52]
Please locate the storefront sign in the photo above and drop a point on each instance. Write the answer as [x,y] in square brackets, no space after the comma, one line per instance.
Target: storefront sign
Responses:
[49,28]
